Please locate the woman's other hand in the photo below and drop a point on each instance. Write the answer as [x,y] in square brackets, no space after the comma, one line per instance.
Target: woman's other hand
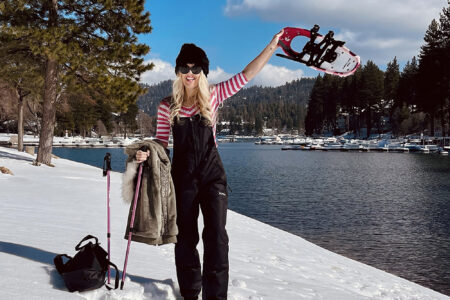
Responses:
[142,156]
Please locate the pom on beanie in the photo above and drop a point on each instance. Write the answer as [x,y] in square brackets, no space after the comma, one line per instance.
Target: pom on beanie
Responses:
[191,54]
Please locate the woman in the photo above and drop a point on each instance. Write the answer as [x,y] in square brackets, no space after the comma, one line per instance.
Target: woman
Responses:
[197,171]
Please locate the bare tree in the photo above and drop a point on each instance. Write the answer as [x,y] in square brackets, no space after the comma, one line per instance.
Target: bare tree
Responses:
[145,123]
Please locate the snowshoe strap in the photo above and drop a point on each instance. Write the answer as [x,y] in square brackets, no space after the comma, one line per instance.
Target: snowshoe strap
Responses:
[317,52]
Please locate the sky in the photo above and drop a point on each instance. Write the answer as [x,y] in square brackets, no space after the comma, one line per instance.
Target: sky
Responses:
[234,32]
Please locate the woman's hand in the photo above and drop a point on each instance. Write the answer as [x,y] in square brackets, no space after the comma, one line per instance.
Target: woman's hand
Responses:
[142,156]
[276,38]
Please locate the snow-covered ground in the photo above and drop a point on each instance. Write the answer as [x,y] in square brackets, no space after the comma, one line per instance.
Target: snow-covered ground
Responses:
[46,211]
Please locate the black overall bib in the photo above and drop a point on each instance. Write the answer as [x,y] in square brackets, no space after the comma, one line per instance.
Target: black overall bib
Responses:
[200,182]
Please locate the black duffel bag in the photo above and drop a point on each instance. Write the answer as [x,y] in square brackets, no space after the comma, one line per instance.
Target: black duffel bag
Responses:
[87,269]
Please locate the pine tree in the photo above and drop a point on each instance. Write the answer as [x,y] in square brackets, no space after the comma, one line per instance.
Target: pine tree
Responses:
[83,113]
[314,117]
[444,21]
[391,82]
[405,101]
[129,118]
[331,100]
[371,92]
[391,85]
[430,73]
[407,85]
[85,45]
[350,101]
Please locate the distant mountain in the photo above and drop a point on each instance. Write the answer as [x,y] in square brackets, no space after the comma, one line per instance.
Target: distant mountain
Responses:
[150,101]
[279,107]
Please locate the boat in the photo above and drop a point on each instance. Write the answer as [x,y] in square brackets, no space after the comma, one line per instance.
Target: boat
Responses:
[432,148]
[296,147]
[353,145]
[316,147]
[442,151]
[332,146]
[413,147]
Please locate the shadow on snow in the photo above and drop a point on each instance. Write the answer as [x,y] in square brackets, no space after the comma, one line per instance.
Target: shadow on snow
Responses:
[4,154]
[56,280]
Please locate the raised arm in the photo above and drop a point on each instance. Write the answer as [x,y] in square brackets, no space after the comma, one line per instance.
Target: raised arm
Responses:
[258,63]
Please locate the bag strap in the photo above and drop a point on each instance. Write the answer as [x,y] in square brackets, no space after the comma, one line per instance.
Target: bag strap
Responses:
[78,248]
[58,261]
[116,284]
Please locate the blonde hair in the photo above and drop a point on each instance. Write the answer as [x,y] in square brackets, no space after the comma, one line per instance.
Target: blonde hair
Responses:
[202,96]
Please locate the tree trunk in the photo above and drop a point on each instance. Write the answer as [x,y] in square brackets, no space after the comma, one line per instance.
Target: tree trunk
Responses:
[20,125]
[50,95]
[48,115]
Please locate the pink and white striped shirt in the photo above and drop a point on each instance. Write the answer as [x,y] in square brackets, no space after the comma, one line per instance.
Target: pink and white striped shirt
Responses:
[220,92]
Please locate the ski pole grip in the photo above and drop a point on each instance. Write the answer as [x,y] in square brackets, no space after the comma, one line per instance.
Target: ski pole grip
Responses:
[107,164]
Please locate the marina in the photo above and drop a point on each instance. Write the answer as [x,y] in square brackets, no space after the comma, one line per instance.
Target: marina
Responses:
[404,145]
[439,145]
[77,141]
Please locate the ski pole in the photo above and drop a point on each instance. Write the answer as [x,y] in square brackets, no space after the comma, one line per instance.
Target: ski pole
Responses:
[106,171]
[133,213]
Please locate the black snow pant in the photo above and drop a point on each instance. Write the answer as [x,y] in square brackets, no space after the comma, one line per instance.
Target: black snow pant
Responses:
[200,183]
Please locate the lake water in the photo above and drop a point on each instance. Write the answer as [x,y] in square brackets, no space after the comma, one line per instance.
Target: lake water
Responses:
[388,210]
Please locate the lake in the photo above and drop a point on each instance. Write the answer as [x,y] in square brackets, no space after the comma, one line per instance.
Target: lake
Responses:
[388,210]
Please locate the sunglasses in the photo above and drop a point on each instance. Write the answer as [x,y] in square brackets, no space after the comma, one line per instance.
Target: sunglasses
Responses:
[194,69]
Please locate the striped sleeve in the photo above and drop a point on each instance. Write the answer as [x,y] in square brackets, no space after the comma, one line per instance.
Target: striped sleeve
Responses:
[163,123]
[228,88]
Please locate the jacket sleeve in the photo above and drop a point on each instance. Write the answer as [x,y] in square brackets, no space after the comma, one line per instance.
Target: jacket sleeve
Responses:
[128,179]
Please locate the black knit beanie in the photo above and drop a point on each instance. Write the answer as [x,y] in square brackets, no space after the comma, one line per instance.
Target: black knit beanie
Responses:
[191,54]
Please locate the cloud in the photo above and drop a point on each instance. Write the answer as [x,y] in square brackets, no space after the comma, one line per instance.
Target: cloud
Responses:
[270,75]
[273,76]
[383,28]
[409,15]
[160,72]
[380,49]
[218,75]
